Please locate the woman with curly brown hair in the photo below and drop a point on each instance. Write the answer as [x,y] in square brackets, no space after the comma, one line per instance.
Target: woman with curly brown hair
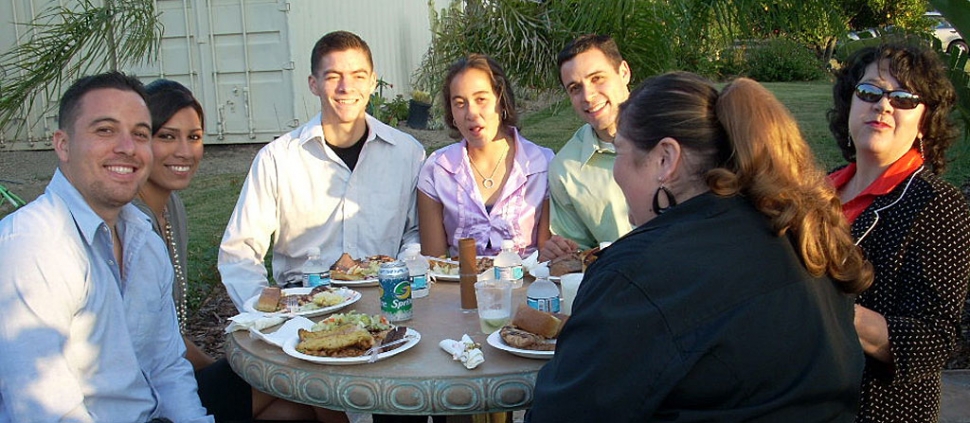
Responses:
[730,300]
[891,120]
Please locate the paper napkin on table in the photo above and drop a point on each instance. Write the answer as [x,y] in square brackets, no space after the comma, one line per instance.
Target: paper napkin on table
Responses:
[244,321]
[466,351]
[288,331]
[531,262]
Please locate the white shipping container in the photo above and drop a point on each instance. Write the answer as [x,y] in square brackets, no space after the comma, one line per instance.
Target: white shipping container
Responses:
[247,61]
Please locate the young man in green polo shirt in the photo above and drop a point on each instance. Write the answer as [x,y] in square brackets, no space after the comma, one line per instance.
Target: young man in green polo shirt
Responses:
[587,205]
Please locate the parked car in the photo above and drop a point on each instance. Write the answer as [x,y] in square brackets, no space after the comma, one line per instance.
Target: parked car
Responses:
[863,34]
[951,40]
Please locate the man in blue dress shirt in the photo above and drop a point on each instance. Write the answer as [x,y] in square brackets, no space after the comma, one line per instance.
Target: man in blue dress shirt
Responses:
[87,322]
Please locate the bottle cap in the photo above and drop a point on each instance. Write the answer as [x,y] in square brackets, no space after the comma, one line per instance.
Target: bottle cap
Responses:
[508,244]
[313,251]
[605,244]
[412,246]
[541,272]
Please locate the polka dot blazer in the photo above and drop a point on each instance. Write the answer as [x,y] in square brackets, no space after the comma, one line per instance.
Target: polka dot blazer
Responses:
[918,239]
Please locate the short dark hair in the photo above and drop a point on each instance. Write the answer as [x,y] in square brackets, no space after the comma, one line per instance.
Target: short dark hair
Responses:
[918,69]
[338,41]
[166,98]
[67,112]
[500,85]
[586,42]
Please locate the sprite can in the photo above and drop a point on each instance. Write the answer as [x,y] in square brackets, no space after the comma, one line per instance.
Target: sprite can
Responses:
[395,291]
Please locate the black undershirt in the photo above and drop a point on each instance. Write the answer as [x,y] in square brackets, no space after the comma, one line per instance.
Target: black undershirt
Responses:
[351,154]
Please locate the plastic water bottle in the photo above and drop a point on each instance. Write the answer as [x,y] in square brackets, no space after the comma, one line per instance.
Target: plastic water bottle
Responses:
[508,264]
[418,269]
[543,295]
[315,271]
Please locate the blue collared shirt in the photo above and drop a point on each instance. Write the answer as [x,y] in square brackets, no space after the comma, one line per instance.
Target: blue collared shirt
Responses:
[83,338]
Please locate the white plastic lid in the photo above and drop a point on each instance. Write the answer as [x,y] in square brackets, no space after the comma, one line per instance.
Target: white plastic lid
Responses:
[413,246]
[605,244]
[313,251]
[508,244]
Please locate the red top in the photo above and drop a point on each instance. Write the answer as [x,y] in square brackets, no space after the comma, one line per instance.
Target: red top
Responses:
[893,176]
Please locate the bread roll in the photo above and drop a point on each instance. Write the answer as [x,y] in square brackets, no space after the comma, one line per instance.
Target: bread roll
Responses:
[269,299]
[537,322]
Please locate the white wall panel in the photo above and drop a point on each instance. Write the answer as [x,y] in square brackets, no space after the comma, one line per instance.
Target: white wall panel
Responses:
[248,60]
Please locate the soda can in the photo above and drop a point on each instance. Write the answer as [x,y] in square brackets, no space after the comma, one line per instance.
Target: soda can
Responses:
[395,291]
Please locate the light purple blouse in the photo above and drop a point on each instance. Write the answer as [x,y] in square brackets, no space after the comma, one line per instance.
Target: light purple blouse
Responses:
[447,177]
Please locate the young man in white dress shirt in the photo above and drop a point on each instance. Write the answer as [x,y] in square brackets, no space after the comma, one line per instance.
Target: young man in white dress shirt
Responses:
[342,182]
[87,322]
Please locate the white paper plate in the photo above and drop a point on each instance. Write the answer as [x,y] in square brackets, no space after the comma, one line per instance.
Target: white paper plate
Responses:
[495,340]
[362,282]
[349,295]
[289,347]
[444,278]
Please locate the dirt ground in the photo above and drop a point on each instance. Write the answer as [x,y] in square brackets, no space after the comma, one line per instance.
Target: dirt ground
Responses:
[27,173]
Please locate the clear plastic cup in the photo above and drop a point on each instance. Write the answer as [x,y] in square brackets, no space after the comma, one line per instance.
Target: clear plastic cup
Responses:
[494,304]
[570,285]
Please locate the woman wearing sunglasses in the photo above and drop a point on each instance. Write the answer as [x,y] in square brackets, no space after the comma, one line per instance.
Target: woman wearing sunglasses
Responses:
[891,120]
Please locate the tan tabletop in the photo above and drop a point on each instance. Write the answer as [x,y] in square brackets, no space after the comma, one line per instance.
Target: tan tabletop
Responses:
[423,380]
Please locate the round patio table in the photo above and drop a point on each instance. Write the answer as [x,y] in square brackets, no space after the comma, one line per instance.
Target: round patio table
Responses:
[423,380]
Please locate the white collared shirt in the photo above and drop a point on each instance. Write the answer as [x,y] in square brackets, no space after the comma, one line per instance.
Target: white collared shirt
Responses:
[299,195]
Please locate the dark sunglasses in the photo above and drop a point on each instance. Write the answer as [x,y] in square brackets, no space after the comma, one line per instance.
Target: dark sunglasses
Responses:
[899,99]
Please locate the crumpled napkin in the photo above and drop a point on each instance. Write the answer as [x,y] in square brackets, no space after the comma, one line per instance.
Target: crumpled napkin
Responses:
[466,351]
[288,331]
[244,321]
[532,262]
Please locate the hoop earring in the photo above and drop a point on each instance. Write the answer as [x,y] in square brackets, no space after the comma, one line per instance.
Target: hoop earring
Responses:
[671,200]
[505,114]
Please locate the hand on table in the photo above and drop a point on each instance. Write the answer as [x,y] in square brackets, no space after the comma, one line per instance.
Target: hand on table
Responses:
[556,246]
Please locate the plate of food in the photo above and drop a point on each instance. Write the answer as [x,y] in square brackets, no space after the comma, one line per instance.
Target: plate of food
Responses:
[531,334]
[348,271]
[575,262]
[443,269]
[495,340]
[309,301]
[360,282]
[351,338]
[447,269]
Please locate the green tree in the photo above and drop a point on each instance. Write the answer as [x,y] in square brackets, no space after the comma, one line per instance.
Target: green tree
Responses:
[65,42]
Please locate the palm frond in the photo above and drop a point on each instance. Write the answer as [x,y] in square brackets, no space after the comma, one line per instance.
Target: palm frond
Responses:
[64,43]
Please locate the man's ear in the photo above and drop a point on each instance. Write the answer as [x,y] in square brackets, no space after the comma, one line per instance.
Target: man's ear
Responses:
[373,83]
[312,82]
[625,72]
[61,144]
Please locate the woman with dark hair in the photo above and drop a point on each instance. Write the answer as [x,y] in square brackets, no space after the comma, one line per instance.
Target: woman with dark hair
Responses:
[730,300]
[891,120]
[492,185]
[178,126]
